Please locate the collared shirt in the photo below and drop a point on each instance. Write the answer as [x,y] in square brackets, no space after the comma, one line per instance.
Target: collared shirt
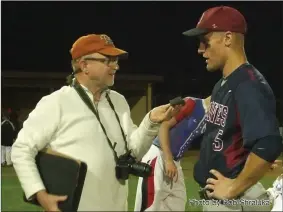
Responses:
[63,122]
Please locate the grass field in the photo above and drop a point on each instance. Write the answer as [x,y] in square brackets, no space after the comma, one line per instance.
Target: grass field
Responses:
[12,195]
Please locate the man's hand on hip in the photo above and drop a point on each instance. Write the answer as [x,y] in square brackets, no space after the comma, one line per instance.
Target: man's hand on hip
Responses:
[277,164]
[219,186]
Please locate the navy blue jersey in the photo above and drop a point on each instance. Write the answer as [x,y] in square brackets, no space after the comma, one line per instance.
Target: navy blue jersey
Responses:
[242,110]
[187,129]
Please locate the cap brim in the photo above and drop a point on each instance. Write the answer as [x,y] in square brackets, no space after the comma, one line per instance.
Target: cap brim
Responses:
[112,51]
[195,32]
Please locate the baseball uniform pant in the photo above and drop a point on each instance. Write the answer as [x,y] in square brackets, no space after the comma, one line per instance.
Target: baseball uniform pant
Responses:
[6,155]
[254,199]
[157,192]
[278,203]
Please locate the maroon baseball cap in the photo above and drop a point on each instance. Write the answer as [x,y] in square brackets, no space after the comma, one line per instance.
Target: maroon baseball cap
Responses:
[219,19]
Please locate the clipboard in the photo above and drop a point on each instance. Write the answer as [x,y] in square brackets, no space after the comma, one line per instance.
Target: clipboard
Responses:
[61,175]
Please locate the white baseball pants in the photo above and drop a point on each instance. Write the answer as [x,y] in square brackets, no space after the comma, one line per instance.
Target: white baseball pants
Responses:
[6,155]
[157,192]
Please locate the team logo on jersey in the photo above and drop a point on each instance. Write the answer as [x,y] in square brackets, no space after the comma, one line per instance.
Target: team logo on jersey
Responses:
[217,114]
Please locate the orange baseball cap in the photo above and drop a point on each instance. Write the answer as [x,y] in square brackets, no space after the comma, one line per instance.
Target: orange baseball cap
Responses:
[92,43]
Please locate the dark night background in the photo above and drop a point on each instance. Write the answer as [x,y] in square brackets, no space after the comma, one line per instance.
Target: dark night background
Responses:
[37,36]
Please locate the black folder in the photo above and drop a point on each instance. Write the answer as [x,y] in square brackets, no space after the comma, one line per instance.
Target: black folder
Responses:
[61,175]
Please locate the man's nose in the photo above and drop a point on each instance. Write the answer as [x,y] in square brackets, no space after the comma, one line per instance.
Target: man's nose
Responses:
[200,51]
[201,48]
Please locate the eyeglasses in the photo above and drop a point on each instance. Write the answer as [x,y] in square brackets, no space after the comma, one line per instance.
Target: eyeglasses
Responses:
[107,61]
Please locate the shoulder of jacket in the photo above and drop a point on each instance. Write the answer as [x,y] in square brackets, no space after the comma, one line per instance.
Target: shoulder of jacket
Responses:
[116,95]
[118,99]
[57,95]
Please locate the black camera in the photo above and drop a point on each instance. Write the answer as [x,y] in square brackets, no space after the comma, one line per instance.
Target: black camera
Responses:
[127,164]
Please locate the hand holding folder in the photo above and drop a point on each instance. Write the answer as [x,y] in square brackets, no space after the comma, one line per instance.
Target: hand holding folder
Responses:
[61,175]
[49,202]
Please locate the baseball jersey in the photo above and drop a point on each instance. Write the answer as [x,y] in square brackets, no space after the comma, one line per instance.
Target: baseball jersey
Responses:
[189,127]
[242,110]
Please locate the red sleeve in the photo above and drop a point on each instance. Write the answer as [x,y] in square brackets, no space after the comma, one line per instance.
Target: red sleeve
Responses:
[186,110]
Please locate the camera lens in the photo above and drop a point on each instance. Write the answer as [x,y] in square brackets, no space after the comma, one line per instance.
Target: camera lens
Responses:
[141,169]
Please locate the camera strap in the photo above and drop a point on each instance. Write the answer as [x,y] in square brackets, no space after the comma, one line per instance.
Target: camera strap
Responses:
[89,103]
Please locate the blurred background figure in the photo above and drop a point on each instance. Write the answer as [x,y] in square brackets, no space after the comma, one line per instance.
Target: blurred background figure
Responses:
[9,131]
[276,190]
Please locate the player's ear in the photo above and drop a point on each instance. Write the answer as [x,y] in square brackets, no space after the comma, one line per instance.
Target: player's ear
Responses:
[228,37]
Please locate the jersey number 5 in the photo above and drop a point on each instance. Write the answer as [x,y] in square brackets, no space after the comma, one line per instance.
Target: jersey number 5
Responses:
[217,144]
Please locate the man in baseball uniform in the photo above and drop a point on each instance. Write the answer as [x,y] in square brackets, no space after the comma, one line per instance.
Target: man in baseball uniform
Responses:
[242,137]
[8,135]
[165,189]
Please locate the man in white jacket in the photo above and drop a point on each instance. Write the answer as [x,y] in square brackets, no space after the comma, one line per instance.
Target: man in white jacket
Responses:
[63,122]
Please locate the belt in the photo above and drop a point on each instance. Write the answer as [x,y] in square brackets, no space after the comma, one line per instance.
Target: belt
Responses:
[157,146]
[202,194]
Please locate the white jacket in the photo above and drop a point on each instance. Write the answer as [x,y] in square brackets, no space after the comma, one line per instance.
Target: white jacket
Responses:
[63,121]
